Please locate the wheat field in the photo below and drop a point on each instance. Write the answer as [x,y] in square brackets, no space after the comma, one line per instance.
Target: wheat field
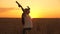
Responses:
[40,26]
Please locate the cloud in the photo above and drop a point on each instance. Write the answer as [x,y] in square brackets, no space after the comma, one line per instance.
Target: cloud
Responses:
[6,9]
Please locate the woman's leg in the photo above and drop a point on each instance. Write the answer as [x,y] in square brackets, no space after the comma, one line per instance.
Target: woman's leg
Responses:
[28,30]
[24,31]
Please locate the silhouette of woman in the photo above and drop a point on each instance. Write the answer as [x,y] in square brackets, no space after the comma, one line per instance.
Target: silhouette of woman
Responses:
[26,19]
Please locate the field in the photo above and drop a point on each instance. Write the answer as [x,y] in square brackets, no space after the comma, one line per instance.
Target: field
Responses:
[40,26]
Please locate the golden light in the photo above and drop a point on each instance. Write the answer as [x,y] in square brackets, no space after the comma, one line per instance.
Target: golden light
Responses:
[39,8]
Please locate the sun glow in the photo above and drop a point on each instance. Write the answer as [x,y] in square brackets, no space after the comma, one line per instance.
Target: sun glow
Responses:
[39,8]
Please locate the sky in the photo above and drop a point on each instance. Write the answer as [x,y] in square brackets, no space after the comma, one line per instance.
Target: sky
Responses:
[38,8]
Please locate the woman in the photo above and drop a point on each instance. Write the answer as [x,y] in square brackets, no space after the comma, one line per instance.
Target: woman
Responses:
[26,19]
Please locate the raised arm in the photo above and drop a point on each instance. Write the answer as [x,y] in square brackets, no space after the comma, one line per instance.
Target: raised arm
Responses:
[20,6]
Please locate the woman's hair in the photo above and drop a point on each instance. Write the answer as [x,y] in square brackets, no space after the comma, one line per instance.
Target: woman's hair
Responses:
[26,9]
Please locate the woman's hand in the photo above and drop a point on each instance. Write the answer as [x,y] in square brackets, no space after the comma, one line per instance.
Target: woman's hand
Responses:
[18,4]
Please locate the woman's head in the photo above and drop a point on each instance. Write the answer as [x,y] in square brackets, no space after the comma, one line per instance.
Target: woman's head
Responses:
[27,10]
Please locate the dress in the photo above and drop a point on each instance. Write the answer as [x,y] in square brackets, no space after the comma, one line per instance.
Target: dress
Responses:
[28,22]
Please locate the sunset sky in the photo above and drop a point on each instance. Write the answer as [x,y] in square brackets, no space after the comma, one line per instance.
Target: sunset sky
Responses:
[39,8]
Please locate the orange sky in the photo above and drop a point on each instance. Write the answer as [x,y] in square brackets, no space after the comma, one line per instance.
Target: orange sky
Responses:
[39,8]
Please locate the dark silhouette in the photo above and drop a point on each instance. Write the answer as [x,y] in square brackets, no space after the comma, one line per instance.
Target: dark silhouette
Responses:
[26,19]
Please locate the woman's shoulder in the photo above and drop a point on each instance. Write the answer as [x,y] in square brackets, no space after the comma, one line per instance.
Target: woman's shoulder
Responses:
[23,14]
